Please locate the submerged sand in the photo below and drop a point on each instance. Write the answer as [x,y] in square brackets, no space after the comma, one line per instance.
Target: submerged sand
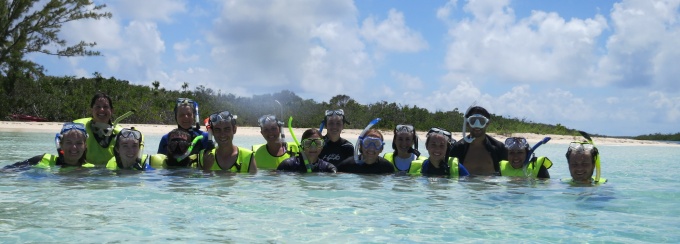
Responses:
[153,129]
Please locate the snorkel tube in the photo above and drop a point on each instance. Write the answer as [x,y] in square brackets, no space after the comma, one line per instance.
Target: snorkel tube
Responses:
[191,147]
[597,158]
[531,152]
[323,123]
[292,134]
[361,137]
[117,120]
[467,139]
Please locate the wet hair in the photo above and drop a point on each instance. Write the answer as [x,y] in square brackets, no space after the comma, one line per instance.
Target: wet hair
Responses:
[310,132]
[478,110]
[179,133]
[99,95]
[375,131]
[593,153]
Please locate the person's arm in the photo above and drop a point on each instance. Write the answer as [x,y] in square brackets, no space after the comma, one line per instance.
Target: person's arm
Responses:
[253,166]
[543,173]
[208,160]
[163,145]
[462,171]
[25,164]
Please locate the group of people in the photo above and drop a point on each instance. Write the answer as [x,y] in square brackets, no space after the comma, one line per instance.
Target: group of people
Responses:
[100,141]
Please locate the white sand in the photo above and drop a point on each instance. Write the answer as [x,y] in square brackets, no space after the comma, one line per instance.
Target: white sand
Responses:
[13,126]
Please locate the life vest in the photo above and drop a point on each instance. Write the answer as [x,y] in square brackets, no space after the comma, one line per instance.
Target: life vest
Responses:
[532,168]
[265,160]
[96,154]
[414,168]
[160,161]
[453,166]
[143,165]
[571,181]
[242,163]
[49,160]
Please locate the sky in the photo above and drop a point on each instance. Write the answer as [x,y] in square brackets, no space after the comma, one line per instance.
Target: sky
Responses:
[605,67]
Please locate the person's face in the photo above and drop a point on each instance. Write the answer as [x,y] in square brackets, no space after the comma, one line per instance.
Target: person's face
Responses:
[313,152]
[101,110]
[178,145]
[185,117]
[478,132]
[270,131]
[437,146]
[516,157]
[581,166]
[334,125]
[224,132]
[73,145]
[403,141]
[128,150]
[371,153]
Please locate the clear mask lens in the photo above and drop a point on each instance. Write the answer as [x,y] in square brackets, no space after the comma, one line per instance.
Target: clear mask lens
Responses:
[372,142]
[477,121]
[313,143]
[404,128]
[516,143]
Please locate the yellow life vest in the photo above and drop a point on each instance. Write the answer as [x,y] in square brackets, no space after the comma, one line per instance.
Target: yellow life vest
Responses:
[113,164]
[415,167]
[453,166]
[160,161]
[49,160]
[265,160]
[243,158]
[532,168]
[571,181]
[97,154]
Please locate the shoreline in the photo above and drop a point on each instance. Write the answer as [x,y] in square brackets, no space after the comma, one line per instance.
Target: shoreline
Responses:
[350,134]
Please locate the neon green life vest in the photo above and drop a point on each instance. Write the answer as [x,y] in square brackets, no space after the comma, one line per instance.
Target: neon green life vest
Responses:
[243,159]
[160,161]
[96,154]
[113,164]
[532,168]
[571,181]
[49,161]
[453,166]
[265,160]
[415,167]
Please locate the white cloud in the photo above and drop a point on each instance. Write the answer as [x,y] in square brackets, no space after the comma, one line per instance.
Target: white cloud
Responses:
[148,10]
[407,82]
[392,34]
[180,49]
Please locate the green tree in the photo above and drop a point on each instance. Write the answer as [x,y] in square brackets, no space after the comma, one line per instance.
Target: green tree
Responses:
[26,27]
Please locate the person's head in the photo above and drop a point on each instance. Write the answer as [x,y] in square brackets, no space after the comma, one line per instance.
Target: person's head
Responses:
[270,128]
[101,108]
[477,118]
[518,150]
[312,143]
[179,142]
[128,148]
[72,143]
[372,144]
[437,143]
[404,139]
[223,127]
[581,157]
[185,113]
[335,122]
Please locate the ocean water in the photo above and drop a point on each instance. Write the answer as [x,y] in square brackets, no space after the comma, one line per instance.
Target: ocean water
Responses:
[640,203]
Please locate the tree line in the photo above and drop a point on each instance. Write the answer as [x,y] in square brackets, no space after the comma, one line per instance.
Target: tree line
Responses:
[68,98]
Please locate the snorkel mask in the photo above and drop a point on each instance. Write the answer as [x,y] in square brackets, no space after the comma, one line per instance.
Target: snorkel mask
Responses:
[411,130]
[68,126]
[446,134]
[270,118]
[219,117]
[590,147]
[331,113]
[136,135]
[194,105]
[475,120]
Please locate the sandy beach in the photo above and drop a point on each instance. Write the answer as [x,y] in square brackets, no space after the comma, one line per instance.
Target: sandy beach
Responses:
[152,129]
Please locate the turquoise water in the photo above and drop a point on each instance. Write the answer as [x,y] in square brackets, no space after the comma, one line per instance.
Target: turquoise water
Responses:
[639,204]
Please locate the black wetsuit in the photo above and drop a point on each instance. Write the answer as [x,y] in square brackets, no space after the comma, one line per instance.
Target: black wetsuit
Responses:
[495,148]
[296,164]
[336,152]
[382,166]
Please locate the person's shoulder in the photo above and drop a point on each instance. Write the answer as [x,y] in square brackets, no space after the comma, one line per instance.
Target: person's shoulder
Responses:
[345,142]
[347,162]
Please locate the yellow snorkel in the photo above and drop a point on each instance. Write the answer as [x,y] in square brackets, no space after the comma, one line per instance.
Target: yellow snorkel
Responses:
[597,158]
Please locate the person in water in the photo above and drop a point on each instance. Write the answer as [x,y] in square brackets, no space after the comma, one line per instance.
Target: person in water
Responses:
[438,143]
[582,158]
[178,151]
[405,145]
[100,129]
[226,156]
[270,155]
[308,160]
[128,151]
[186,116]
[480,153]
[71,144]
[336,148]
[518,153]
[370,162]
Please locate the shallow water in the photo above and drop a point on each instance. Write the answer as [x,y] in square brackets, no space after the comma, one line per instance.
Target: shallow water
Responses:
[639,204]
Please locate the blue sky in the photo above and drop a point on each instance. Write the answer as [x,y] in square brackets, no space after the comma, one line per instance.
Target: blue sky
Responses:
[606,67]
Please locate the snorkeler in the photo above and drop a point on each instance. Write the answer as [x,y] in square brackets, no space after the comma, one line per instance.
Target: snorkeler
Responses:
[187,116]
[270,155]
[226,156]
[405,145]
[369,162]
[71,144]
[519,157]
[584,159]
[480,153]
[311,146]
[438,143]
[128,151]
[336,149]
[100,129]
[178,151]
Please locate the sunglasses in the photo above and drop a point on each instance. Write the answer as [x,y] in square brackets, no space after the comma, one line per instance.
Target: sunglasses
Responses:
[372,142]
[313,143]
[515,142]
[477,121]
[439,131]
[73,126]
[221,116]
[128,133]
[404,128]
